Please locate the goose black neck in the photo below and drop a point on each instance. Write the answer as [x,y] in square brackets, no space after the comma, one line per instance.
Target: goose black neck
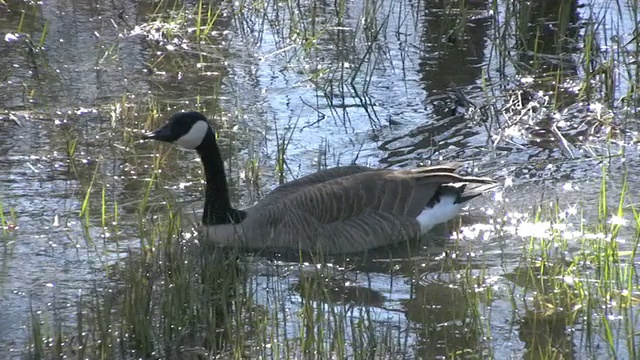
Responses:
[217,205]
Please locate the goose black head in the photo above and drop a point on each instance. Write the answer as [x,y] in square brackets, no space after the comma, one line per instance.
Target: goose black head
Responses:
[187,129]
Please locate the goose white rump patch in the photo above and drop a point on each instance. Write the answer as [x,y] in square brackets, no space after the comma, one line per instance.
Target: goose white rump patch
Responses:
[443,211]
[194,137]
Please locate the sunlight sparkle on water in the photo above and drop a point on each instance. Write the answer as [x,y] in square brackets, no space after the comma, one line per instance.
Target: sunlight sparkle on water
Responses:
[538,230]
[476,231]
[508,182]
[83,110]
[597,108]
[569,212]
[498,196]
[618,220]
[569,280]
[590,236]
[11,37]
[527,80]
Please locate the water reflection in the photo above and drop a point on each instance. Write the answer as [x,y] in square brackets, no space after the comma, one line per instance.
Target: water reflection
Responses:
[548,31]
[548,335]
[546,326]
[444,315]
[454,35]
[76,55]
[313,287]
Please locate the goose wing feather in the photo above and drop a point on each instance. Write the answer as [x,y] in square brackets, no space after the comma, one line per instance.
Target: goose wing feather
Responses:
[349,213]
[304,182]
[359,233]
[402,193]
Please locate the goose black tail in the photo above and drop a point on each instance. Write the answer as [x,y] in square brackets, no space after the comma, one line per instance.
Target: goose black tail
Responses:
[467,191]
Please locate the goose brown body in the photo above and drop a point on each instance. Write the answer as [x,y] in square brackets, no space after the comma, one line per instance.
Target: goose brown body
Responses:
[336,211]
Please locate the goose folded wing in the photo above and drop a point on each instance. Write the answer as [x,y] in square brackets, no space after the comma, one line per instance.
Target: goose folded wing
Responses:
[305,182]
[357,234]
[343,198]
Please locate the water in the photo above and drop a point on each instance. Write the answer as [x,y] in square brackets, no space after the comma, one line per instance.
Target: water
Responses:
[259,86]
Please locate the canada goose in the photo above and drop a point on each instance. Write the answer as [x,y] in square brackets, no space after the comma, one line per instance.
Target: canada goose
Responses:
[337,211]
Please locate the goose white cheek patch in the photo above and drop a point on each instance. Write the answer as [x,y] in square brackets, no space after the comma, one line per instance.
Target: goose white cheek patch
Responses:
[194,137]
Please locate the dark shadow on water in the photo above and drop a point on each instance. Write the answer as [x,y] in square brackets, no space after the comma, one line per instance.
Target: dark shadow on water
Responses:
[549,335]
[443,315]
[331,290]
[548,37]
[176,303]
[454,42]
[547,327]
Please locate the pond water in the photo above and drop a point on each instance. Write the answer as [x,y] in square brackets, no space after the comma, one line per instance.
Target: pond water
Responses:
[385,84]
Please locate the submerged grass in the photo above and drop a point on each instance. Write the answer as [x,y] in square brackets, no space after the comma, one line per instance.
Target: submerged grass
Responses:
[169,292]
[593,286]
[8,220]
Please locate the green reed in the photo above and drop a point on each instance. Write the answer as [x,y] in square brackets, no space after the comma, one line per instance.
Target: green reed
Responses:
[592,284]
